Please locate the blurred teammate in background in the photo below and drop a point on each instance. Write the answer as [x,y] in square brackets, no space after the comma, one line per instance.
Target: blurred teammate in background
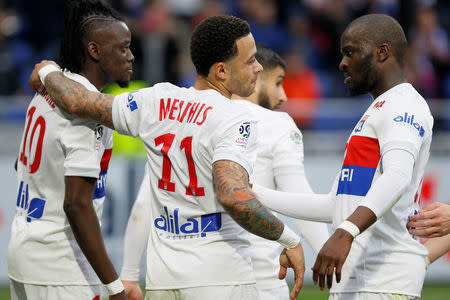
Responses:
[279,164]
[381,175]
[200,148]
[56,249]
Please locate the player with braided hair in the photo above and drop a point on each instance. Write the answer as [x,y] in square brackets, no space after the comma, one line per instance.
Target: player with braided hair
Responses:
[56,249]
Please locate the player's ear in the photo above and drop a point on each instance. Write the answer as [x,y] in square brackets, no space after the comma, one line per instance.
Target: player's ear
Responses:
[383,52]
[220,70]
[94,50]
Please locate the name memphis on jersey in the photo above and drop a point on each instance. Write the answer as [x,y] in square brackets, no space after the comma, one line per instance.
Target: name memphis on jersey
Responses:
[177,110]
[180,228]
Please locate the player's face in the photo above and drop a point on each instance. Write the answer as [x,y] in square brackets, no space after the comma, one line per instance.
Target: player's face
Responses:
[116,60]
[357,64]
[244,68]
[270,89]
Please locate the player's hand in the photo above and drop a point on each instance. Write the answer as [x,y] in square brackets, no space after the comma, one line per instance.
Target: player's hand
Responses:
[293,258]
[132,290]
[35,82]
[332,256]
[119,296]
[432,220]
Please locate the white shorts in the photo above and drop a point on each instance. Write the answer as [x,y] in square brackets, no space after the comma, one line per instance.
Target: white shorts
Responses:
[370,296]
[24,291]
[278,293]
[226,292]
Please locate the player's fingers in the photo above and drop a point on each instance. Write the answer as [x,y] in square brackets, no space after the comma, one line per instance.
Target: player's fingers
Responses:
[330,276]
[315,270]
[282,272]
[298,283]
[338,271]
[424,223]
[424,215]
[322,272]
[424,232]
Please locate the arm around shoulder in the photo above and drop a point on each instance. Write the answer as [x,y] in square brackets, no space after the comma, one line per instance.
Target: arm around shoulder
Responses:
[73,97]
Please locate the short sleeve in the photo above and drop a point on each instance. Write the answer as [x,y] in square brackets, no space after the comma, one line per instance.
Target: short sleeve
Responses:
[402,128]
[82,157]
[130,109]
[288,150]
[237,141]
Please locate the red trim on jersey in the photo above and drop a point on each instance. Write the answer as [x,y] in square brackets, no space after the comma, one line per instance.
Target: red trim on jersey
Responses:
[362,151]
[105,159]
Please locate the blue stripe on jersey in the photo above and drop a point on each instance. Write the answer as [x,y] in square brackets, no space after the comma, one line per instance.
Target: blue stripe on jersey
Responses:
[355,180]
[100,186]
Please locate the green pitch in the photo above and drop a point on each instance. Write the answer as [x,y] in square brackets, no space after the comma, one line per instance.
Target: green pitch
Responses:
[309,292]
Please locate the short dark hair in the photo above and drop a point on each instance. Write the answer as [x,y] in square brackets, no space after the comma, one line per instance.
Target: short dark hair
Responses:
[268,58]
[214,40]
[80,18]
[380,29]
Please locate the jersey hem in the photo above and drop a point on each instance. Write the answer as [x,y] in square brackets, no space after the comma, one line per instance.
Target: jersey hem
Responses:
[53,283]
[195,285]
[377,291]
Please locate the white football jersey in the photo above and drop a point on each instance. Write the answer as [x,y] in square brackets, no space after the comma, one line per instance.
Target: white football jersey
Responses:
[280,152]
[385,258]
[43,249]
[193,241]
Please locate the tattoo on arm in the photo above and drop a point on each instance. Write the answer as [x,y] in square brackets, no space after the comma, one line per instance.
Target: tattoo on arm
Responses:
[235,195]
[75,99]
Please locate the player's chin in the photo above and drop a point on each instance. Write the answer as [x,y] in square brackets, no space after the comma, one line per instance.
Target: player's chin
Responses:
[123,83]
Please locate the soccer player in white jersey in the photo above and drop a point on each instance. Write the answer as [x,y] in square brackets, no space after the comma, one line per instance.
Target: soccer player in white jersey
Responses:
[279,164]
[56,248]
[371,251]
[200,149]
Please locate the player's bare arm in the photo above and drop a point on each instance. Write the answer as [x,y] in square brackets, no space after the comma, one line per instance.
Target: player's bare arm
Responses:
[334,252]
[234,193]
[85,226]
[74,98]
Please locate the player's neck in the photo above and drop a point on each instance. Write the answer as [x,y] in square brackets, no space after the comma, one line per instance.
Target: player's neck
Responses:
[94,76]
[387,81]
[202,83]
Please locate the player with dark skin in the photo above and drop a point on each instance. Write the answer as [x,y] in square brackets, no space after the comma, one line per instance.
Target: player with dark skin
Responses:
[369,67]
[236,75]
[104,57]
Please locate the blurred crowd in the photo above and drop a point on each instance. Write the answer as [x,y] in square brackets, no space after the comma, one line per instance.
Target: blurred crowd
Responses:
[305,32]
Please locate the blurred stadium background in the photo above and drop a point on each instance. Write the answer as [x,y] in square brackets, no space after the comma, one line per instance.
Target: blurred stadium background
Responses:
[305,32]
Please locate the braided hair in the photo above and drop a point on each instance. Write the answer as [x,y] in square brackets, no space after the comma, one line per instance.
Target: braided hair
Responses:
[80,18]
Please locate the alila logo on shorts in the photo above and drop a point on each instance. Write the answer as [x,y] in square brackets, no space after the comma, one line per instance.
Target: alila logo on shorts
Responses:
[34,207]
[177,228]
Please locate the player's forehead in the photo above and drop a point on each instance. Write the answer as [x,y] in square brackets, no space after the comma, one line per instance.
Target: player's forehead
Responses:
[274,74]
[246,47]
[116,31]
[353,37]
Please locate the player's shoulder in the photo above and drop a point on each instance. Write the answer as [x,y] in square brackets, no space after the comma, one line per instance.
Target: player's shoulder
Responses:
[80,79]
[402,97]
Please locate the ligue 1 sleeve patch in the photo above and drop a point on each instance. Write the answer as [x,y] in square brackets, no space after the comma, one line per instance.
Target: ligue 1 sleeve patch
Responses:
[296,137]
[243,135]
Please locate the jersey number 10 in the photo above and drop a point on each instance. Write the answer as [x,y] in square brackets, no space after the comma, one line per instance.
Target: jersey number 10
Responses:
[164,183]
[40,122]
